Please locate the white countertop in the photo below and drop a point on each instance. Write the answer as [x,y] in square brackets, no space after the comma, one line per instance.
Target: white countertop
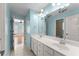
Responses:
[68,49]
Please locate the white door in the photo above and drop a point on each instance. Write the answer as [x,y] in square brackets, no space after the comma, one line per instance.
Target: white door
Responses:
[72,27]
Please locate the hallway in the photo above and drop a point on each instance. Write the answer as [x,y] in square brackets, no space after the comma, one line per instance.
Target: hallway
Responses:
[20,49]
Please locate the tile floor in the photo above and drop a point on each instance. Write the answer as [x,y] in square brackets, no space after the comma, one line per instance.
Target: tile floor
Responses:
[20,50]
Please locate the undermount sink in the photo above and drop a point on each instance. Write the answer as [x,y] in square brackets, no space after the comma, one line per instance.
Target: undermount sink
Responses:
[61,46]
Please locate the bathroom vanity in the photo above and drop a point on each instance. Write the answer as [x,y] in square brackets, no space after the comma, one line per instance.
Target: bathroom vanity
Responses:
[49,46]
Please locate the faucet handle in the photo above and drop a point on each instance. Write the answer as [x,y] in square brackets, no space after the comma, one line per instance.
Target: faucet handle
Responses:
[67,36]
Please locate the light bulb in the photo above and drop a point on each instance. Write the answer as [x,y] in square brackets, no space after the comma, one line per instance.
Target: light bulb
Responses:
[67,4]
[53,4]
[42,10]
[62,6]
[58,4]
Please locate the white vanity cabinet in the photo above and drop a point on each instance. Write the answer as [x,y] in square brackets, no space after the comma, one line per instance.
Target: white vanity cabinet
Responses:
[51,52]
[40,49]
[57,53]
[32,44]
[35,46]
[48,51]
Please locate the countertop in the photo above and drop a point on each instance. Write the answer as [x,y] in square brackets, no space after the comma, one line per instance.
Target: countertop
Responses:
[67,49]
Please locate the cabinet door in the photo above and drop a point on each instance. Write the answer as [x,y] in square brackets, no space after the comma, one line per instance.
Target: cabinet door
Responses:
[57,54]
[40,49]
[35,46]
[46,54]
[48,51]
[32,45]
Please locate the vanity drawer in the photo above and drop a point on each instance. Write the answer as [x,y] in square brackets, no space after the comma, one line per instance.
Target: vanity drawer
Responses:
[40,49]
[35,47]
[40,52]
[40,45]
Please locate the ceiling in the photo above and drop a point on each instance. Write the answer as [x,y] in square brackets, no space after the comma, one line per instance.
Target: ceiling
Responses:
[22,8]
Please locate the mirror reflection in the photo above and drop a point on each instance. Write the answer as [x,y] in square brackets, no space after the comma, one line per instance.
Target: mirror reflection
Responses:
[59,28]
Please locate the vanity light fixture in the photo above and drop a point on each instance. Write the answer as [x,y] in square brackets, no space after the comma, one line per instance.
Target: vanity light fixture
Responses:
[53,4]
[67,4]
[42,10]
[56,4]
[64,5]
[61,5]
[41,13]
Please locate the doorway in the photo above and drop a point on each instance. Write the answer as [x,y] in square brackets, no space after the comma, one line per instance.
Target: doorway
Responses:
[18,33]
[59,28]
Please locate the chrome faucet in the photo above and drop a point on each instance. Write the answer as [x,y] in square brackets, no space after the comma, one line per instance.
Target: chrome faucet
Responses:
[62,41]
[40,35]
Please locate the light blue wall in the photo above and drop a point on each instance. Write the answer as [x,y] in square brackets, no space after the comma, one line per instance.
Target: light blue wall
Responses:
[12,16]
[33,25]
[51,27]
[41,25]
[51,23]
[27,29]
[30,25]
[17,16]
[33,22]
[7,30]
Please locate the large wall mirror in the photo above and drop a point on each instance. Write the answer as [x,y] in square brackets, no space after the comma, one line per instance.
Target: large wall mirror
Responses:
[72,27]
[64,23]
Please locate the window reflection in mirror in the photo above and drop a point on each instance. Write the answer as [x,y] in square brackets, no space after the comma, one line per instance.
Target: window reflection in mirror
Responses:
[60,28]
